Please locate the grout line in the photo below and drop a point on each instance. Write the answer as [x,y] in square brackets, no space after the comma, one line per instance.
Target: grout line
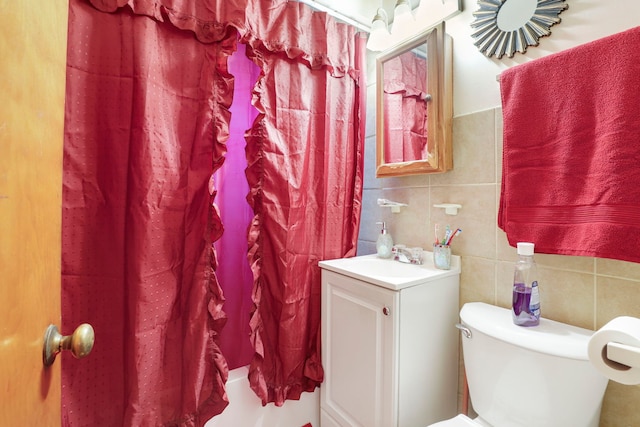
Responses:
[595,294]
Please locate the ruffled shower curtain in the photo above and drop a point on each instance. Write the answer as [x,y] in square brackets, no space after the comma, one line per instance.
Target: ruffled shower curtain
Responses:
[306,196]
[147,118]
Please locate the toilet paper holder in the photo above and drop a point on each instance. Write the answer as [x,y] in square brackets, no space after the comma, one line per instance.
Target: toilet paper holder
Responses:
[626,355]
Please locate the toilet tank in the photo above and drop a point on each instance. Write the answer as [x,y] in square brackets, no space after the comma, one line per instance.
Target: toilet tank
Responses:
[529,376]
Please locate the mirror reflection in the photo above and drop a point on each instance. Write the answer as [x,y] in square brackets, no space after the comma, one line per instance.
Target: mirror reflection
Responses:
[405,106]
[514,14]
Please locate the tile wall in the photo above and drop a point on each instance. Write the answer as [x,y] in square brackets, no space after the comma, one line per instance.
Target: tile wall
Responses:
[582,291]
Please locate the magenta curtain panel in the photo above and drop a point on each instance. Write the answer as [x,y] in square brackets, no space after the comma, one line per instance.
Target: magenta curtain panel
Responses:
[233,270]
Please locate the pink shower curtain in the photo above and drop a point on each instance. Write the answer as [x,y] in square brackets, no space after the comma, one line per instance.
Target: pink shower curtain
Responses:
[305,157]
[147,118]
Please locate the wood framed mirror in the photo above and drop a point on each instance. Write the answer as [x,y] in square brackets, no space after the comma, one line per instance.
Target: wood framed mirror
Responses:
[414,106]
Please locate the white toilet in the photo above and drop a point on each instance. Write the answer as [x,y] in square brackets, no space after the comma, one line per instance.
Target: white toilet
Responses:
[527,376]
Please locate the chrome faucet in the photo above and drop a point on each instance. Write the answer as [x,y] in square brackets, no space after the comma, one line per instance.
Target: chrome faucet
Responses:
[406,256]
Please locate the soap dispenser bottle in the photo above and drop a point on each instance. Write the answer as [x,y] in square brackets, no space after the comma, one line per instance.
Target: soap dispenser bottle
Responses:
[384,244]
[526,298]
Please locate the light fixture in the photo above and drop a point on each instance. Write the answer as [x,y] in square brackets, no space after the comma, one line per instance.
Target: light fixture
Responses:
[403,21]
[379,35]
[408,23]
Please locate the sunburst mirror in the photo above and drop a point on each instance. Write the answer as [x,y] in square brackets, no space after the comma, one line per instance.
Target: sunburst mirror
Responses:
[504,27]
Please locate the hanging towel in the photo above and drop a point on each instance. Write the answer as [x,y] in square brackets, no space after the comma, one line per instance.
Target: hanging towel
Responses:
[571,159]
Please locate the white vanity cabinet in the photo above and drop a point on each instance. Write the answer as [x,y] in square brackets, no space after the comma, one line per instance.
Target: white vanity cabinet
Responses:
[389,343]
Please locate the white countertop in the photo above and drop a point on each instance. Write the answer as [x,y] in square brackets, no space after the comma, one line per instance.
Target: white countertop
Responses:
[388,273]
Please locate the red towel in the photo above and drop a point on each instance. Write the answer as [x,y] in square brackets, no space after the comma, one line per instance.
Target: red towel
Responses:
[571,159]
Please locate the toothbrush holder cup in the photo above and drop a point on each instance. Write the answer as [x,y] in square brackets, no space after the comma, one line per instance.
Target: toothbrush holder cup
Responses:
[442,256]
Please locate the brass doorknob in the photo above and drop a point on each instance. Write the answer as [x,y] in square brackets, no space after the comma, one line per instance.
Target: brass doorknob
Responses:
[80,343]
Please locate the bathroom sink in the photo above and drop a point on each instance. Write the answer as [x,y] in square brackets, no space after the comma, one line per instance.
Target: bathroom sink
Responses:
[389,273]
[385,268]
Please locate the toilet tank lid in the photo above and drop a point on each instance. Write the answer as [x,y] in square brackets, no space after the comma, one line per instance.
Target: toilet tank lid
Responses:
[550,337]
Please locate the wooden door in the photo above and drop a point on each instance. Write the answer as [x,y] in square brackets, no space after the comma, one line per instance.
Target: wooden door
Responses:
[33,40]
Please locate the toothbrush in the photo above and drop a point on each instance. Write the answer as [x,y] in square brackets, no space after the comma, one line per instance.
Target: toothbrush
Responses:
[447,234]
[455,233]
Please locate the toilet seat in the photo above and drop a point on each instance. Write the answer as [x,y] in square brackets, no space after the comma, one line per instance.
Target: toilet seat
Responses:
[458,421]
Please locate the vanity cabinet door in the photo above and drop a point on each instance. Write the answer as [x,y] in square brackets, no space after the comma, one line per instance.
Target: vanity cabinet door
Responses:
[359,352]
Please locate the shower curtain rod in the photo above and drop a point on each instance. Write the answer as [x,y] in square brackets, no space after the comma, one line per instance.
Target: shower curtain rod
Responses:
[336,14]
